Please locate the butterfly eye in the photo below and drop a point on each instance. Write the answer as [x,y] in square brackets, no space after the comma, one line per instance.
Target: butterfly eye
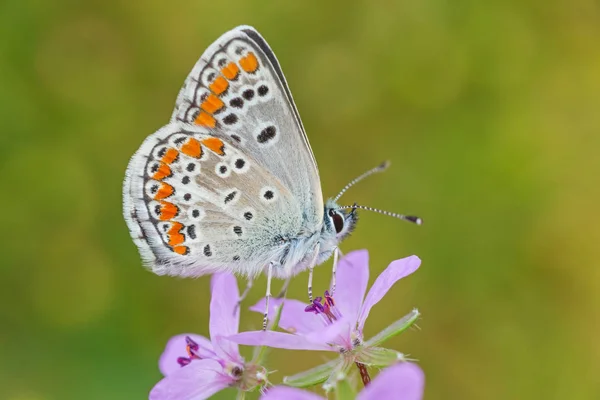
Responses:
[338,221]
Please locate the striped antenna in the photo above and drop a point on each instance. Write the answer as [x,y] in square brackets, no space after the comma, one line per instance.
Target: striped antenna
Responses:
[380,168]
[409,218]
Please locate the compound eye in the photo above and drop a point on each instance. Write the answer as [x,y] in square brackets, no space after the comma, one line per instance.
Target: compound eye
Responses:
[338,221]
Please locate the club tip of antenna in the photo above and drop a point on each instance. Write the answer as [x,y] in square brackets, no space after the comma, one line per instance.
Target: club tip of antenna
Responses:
[384,165]
[414,219]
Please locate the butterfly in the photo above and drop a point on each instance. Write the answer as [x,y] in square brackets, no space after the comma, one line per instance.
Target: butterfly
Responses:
[231,184]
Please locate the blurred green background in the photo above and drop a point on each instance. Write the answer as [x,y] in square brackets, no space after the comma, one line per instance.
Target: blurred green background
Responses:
[488,110]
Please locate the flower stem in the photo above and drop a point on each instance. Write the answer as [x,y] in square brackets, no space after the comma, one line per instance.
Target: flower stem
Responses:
[364,374]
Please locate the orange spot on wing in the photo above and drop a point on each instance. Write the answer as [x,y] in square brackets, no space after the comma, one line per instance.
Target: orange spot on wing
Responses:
[181,250]
[249,63]
[215,145]
[175,228]
[163,171]
[205,119]
[175,237]
[170,156]
[192,148]
[230,71]
[164,191]
[168,211]
[212,104]
[219,85]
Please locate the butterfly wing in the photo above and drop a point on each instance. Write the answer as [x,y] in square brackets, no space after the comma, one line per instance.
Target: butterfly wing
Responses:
[196,204]
[232,177]
[238,91]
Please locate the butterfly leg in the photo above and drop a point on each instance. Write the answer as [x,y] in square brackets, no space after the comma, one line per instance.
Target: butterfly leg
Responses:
[310,277]
[334,269]
[249,284]
[268,295]
[311,267]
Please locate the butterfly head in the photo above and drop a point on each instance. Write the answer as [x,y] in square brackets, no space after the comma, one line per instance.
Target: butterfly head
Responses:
[338,223]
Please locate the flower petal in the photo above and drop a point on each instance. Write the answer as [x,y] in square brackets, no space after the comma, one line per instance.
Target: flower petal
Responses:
[293,317]
[337,333]
[288,393]
[352,277]
[198,380]
[278,340]
[225,313]
[223,348]
[260,305]
[404,381]
[176,347]
[395,271]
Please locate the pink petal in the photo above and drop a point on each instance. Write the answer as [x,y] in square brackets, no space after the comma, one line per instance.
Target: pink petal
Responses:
[176,347]
[337,333]
[289,393]
[293,316]
[225,313]
[352,278]
[198,380]
[404,381]
[259,307]
[278,340]
[223,348]
[395,271]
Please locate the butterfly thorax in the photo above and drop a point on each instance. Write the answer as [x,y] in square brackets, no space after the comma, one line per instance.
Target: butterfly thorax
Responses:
[298,250]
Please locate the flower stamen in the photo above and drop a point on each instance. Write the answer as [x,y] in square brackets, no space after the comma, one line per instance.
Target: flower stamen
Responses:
[191,347]
[183,361]
[325,308]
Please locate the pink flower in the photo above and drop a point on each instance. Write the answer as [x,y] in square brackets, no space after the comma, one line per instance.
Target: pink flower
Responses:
[403,381]
[337,324]
[196,367]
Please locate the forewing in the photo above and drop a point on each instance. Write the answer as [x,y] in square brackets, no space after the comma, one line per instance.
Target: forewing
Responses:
[197,204]
[238,92]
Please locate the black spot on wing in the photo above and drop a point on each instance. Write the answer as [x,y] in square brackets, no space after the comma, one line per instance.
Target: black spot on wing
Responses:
[191,231]
[230,196]
[266,134]
[263,90]
[236,102]
[230,119]
[248,94]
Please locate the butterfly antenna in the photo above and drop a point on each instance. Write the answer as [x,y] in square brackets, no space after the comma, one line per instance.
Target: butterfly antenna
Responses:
[409,218]
[380,168]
